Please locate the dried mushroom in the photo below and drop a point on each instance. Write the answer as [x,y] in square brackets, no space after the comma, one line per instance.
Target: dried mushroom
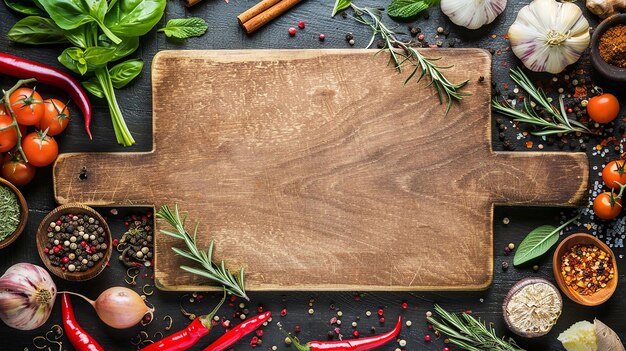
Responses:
[532,307]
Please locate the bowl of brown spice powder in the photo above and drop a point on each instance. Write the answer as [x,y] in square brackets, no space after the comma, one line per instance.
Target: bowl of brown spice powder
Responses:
[608,48]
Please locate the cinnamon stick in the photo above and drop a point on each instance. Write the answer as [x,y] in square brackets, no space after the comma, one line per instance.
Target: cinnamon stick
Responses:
[268,15]
[256,10]
[190,3]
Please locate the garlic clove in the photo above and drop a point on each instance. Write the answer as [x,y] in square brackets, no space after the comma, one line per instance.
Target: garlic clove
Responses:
[472,14]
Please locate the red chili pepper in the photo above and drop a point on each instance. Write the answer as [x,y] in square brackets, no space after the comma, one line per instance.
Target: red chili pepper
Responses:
[238,332]
[21,68]
[76,335]
[187,337]
[362,344]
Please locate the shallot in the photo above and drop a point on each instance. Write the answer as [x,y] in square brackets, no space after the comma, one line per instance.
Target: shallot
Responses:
[119,307]
[27,294]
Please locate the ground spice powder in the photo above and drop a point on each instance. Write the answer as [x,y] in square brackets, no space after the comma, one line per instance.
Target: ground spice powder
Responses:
[612,46]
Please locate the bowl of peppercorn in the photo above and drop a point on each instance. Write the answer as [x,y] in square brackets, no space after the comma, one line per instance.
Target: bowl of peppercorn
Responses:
[74,242]
[585,269]
[608,48]
[13,213]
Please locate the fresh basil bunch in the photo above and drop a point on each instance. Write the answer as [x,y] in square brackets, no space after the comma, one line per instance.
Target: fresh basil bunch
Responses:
[101,32]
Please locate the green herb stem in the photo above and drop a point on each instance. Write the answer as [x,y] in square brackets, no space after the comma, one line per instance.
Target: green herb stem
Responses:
[122,134]
[213,271]
[470,333]
[407,55]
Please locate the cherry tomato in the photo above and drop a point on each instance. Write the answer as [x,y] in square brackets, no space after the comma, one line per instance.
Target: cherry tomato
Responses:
[614,172]
[607,206]
[15,170]
[27,106]
[603,108]
[8,137]
[40,149]
[56,117]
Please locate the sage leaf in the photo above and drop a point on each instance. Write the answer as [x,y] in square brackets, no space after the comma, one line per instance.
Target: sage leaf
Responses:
[123,73]
[184,28]
[24,7]
[36,30]
[405,9]
[538,242]
[341,5]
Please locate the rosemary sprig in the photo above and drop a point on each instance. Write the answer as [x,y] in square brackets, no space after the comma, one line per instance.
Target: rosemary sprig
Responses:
[470,333]
[407,55]
[216,272]
[558,123]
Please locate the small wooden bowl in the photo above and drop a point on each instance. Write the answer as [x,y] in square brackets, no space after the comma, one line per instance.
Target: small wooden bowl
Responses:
[599,297]
[42,238]
[23,215]
[607,70]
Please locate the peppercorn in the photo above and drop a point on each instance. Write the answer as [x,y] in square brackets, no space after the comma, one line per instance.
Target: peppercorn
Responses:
[349,36]
[415,30]
[505,265]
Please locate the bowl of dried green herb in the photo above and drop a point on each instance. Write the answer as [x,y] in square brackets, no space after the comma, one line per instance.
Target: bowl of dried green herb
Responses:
[13,213]
[608,48]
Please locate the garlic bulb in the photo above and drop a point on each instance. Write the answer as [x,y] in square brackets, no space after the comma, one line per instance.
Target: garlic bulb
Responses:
[27,295]
[548,35]
[472,14]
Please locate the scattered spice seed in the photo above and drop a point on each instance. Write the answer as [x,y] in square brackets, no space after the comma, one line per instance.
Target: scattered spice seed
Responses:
[292,31]
[322,37]
[301,24]
[536,268]
[505,265]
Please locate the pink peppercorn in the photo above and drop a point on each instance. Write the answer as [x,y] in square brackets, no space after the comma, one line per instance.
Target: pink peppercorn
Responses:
[446,349]
[322,37]
[292,31]
[427,337]
[381,312]
[381,319]
[355,333]
[301,24]
[283,312]
[259,333]
[405,305]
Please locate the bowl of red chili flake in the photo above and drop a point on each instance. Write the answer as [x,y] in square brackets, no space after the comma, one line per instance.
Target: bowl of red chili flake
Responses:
[608,48]
[585,269]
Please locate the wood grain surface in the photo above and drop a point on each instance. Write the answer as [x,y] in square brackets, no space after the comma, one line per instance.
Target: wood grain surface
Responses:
[318,170]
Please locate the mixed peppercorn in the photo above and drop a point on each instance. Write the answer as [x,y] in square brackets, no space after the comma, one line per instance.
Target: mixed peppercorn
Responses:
[587,269]
[75,243]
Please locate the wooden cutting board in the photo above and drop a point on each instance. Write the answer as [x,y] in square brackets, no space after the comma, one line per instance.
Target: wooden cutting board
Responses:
[319,170]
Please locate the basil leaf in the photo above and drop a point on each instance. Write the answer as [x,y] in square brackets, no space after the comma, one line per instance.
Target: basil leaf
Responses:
[538,242]
[133,18]
[341,5]
[24,7]
[183,28]
[123,73]
[67,14]
[93,86]
[405,9]
[74,59]
[99,56]
[36,30]
[97,9]
[78,36]
[123,49]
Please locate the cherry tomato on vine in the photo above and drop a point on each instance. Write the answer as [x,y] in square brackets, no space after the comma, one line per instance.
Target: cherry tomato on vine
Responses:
[15,170]
[40,149]
[56,117]
[27,106]
[8,137]
[614,172]
[603,108]
[607,206]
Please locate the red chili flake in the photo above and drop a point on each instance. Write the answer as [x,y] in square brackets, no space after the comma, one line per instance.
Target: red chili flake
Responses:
[381,312]
[301,24]
[355,333]
[529,144]
[504,63]
[405,305]
[214,323]
[505,86]
[427,337]
[357,297]
[506,36]
[499,52]
[322,37]
[259,333]
[292,31]
[580,91]
[283,312]
[115,242]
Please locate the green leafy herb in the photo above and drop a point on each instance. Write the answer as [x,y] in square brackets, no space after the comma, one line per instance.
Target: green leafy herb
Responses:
[469,333]
[24,7]
[341,5]
[409,56]
[9,211]
[558,122]
[405,9]
[134,17]
[93,87]
[36,30]
[184,28]
[123,73]
[233,284]
[538,242]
